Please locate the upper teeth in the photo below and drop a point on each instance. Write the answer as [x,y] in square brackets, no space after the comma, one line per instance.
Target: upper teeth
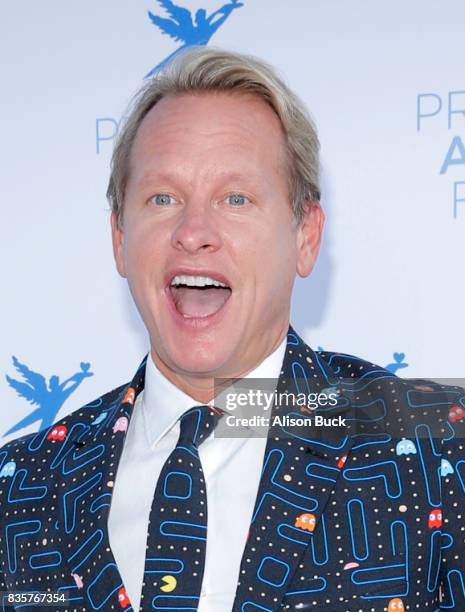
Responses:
[196,281]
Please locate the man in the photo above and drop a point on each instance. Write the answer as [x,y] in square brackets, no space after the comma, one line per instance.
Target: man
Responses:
[215,208]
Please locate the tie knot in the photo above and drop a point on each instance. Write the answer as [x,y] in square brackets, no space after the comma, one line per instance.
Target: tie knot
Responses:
[197,424]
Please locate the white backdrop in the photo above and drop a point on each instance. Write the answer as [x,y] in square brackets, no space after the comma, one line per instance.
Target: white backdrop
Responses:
[385,82]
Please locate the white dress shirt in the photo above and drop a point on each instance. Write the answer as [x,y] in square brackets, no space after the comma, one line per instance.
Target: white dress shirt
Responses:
[232,468]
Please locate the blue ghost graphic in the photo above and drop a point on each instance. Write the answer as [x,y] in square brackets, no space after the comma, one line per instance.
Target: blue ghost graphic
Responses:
[8,469]
[405,447]
[446,467]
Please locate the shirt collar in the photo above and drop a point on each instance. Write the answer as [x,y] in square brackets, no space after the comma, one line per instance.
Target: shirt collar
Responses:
[163,403]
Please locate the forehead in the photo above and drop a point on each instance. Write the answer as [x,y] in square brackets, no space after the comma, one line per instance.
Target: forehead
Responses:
[222,126]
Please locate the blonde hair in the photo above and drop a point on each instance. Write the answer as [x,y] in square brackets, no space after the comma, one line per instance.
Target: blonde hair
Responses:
[204,69]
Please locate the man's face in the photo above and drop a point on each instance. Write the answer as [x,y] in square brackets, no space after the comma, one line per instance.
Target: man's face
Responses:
[207,196]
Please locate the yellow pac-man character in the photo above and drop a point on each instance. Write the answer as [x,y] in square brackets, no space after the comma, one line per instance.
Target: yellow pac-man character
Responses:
[395,605]
[305,521]
[170,584]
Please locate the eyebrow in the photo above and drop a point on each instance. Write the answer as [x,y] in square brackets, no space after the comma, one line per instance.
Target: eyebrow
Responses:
[169,177]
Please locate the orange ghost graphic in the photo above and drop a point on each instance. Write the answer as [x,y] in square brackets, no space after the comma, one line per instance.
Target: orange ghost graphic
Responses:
[305,521]
[395,605]
[130,396]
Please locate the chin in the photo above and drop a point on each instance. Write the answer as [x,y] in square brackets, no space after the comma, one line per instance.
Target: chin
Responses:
[201,361]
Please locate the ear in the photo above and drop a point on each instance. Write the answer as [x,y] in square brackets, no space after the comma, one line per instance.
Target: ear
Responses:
[117,237]
[309,233]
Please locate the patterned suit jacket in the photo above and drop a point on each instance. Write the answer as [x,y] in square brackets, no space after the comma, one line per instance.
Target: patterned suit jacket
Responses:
[367,517]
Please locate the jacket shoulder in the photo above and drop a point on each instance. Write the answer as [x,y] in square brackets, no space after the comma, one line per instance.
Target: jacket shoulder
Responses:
[85,415]
[351,366]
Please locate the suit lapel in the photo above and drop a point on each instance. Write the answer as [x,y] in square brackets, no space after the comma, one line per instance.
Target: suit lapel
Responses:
[300,470]
[88,465]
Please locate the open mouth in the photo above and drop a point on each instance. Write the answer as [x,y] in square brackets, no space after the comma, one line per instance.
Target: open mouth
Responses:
[198,296]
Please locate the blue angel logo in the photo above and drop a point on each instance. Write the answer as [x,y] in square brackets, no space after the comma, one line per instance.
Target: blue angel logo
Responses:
[182,28]
[49,398]
[398,364]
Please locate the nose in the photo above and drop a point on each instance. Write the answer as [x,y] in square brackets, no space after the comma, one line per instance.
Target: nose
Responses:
[196,230]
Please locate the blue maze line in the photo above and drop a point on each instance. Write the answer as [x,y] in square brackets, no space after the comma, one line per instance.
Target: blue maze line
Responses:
[164,570]
[328,468]
[452,591]
[69,589]
[99,590]
[305,535]
[451,430]
[361,530]
[431,395]
[321,532]
[82,458]
[434,561]
[54,559]
[98,536]
[377,568]
[276,562]
[29,528]
[17,486]
[183,535]
[251,606]
[351,474]
[394,544]
[41,436]
[100,502]
[323,582]
[190,451]
[376,439]
[193,601]
[185,474]
[424,463]
[83,489]
[449,538]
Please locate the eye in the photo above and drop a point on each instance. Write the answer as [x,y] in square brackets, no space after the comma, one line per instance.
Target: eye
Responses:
[163,199]
[237,199]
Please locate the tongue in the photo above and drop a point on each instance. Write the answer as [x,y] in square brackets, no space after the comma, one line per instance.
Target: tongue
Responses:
[197,302]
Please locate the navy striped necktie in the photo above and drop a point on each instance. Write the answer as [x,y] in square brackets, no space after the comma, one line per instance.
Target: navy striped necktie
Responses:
[177,531]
